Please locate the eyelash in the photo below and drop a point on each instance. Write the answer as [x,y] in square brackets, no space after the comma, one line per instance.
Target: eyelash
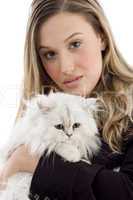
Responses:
[75,42]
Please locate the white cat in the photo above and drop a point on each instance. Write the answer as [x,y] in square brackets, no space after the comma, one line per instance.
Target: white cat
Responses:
[61,123]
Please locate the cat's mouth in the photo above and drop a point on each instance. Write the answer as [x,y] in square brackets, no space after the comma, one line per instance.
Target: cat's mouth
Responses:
[66,142]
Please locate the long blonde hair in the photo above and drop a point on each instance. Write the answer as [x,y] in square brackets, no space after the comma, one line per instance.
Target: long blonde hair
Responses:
[115,87]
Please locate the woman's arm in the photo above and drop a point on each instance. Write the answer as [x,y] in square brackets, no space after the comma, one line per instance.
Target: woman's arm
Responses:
[55,178]
[24,160]
[118,185]
[20,160]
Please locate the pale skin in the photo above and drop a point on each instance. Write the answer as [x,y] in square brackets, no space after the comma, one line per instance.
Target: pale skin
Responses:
[74,50]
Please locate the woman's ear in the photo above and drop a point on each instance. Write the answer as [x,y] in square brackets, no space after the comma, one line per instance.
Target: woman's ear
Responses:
[103,42]
[103,46]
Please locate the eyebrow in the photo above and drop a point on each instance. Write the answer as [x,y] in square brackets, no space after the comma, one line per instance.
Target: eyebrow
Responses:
[72,35]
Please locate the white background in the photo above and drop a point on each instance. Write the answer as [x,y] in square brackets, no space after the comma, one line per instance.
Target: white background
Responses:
[13,19]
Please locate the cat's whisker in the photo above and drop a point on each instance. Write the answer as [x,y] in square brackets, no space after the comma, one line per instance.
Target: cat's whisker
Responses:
[53,158]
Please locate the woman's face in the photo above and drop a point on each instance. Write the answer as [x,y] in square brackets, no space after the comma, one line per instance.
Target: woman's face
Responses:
[70,51]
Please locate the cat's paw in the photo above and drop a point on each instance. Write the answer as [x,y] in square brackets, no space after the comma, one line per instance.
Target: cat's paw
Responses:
[74,157]
[70,154]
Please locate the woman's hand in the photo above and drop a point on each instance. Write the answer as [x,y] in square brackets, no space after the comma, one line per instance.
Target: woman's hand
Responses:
[24,160]
[19,161]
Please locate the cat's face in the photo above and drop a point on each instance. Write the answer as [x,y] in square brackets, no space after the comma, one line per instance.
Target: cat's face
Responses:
[70,122]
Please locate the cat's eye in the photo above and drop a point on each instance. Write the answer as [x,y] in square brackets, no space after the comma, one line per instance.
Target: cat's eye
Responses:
[76,125]
[59,126]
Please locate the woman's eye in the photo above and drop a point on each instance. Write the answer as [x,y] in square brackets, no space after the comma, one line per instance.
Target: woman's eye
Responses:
[49,55]
[75,44]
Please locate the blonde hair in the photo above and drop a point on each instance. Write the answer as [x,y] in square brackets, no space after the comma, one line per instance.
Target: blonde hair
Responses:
[115,87]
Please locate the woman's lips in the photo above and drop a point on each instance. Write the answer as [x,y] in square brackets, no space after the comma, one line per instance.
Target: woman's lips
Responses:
[74,82]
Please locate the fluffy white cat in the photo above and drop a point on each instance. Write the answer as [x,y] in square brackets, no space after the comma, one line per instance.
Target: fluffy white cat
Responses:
[58,122]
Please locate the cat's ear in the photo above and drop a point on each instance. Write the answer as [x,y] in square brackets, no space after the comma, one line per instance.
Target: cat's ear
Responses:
[45,104]
[51,91]
[90,104]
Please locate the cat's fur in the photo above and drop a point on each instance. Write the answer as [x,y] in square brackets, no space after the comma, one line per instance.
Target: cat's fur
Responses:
[60,123]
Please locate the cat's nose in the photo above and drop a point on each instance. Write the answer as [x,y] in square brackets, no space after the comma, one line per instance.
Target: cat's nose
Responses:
[69,134]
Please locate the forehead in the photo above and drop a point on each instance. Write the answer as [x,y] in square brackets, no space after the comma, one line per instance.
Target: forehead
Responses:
[62,25]
[67,113]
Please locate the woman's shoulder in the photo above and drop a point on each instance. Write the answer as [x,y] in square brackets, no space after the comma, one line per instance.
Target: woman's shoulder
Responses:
[112,159]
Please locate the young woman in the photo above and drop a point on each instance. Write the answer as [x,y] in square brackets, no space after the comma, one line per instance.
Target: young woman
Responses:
[69,46]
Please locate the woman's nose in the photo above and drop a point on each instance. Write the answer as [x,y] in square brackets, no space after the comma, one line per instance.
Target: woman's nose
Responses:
[66,64]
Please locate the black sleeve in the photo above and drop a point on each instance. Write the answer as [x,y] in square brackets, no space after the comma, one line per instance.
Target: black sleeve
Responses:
[55,179]
[61,180]
[111,185]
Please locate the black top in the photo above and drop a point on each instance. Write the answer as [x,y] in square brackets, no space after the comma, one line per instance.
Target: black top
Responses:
[55,179]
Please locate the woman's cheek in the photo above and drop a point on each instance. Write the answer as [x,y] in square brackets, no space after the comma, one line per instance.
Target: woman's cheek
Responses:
[52,71]
[89,59]
[86,60]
